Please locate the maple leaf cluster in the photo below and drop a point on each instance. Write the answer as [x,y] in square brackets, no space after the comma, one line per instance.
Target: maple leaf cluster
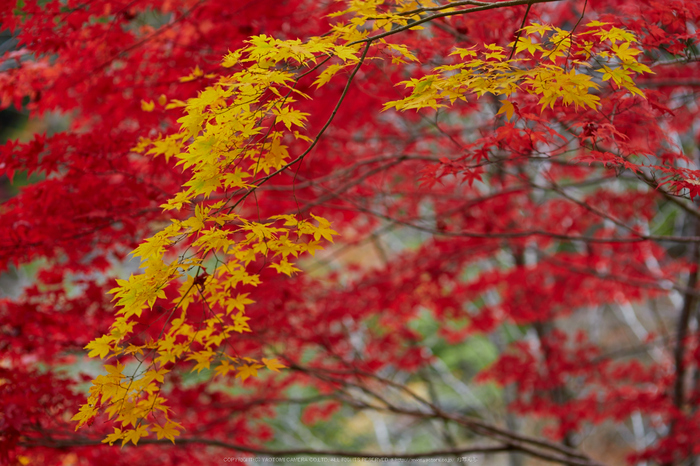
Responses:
[235,228]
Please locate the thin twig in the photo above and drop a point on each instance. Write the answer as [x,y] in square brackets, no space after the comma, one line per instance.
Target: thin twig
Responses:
[520,31]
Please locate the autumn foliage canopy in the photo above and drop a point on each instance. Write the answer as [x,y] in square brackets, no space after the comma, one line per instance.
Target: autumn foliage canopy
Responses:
[277,227]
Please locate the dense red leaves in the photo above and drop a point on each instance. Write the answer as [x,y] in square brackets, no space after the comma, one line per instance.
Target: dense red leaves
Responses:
[30,403]
[533,225]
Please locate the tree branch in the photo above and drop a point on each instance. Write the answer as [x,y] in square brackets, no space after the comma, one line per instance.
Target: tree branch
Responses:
[67,443]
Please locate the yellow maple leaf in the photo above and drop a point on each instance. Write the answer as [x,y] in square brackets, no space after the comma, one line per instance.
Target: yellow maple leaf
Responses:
[203,359]
[290,117]
[100,346]
[507,108]
[168,431]
[133,435]
[239,302]
[113,437]
[224,368]
[248,370]
[285,267]
[273,364]
[85,414]
[115,371]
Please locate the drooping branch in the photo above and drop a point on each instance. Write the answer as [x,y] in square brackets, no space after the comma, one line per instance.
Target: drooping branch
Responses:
[479,449]
[533,446]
